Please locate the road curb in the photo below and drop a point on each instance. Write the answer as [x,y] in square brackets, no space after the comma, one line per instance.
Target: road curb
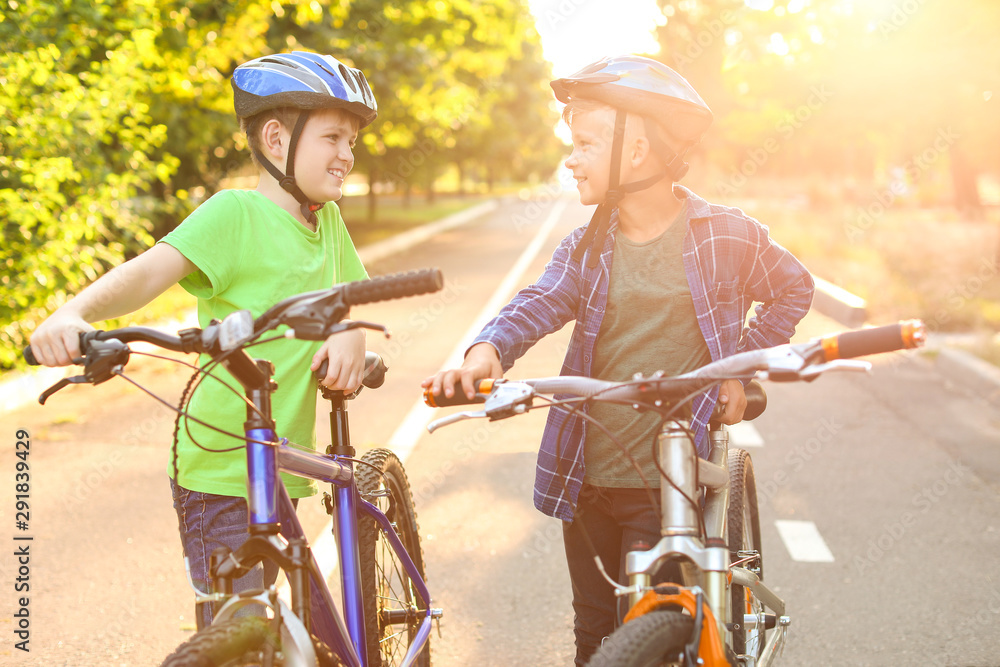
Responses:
[838,304]
[376,251]
[968,370]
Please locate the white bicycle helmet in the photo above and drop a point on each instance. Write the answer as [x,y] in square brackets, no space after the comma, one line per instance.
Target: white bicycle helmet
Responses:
[303,81]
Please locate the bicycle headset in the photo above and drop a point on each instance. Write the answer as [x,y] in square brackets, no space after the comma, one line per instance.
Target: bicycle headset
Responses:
[663,98]
[304,81]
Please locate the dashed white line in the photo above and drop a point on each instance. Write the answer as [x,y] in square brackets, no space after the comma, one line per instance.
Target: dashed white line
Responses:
[803,541]
[744,434]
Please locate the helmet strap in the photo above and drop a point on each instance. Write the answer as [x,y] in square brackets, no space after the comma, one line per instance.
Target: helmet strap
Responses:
[593,237]
[287,180]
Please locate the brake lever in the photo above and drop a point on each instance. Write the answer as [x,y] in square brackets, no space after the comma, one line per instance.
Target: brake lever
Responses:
[852,365]
[810,373]
[457,417]
[506,400]
[310,333]
[104,360]
[76,379]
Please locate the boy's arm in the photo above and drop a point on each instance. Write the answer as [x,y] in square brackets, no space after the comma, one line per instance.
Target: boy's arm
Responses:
[534,312]
[785,289]
[124,289]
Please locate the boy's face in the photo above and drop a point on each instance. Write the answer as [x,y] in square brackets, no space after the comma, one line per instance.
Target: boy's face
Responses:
[324,155]
[590,160]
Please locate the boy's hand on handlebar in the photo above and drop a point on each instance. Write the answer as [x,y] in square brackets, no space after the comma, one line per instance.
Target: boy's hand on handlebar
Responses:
[732,396]
[56,342]
[346,352]
[481,361]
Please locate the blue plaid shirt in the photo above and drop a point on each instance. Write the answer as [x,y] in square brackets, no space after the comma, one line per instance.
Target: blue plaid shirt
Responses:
[730,262]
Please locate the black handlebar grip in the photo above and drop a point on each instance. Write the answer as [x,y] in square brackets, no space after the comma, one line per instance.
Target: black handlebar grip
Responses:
[756,400]
[483,389]
[899,336]
[395,286]
[29,356]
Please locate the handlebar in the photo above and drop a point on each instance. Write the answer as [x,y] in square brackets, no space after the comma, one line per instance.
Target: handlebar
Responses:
[801,361]
[310,316]
[860,343]
[395,286]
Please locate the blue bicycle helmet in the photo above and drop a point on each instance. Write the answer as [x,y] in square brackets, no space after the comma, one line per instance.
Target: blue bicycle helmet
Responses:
[662,97]
[305,81]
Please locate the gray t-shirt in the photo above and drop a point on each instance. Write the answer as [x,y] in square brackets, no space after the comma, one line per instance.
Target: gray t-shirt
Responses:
[649,325]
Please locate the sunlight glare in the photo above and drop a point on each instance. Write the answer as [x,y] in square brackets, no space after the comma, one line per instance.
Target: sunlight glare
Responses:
[778,45]
[576,33]
[759,5]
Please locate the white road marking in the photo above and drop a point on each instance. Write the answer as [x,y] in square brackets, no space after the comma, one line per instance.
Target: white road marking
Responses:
[803,541]
[411,429]
[745,435]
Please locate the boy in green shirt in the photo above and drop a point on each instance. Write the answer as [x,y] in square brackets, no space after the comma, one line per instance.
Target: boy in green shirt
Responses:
[247,250]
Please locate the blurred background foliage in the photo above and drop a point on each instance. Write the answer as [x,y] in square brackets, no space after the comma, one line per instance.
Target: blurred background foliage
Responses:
[835,116]
[117,116]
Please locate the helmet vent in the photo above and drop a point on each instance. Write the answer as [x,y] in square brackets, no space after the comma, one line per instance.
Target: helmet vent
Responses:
[348,79]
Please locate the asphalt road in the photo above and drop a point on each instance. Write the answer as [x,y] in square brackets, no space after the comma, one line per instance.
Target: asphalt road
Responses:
[898,472]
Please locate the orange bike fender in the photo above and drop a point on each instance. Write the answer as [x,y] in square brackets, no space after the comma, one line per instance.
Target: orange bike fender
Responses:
[710,648]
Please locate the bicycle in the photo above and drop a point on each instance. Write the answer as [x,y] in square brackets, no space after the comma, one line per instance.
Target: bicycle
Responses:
[720,613]
[387,614]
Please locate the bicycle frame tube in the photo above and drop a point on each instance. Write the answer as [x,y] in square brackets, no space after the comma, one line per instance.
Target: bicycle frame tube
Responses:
[346,529]
[326,625]
[424,629]
[262,474]
[679,523]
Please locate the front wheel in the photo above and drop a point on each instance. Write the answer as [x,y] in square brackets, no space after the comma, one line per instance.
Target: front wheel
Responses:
[744,535]
[240,642]
[654,639]
[393,608]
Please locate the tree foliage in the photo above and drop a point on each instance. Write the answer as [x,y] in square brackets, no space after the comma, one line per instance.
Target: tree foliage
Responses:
[117,115]
[848,88]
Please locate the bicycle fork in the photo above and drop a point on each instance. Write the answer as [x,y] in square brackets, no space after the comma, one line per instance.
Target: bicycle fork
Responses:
[681,532]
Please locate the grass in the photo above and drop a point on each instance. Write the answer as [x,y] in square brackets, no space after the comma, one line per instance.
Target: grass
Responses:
[394,215]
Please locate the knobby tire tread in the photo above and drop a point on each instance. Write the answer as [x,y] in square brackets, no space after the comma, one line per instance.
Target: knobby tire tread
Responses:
[742,491]
[238,642]
[387,469]
[654,639]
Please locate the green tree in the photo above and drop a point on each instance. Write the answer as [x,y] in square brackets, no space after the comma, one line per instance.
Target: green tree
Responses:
[76,158]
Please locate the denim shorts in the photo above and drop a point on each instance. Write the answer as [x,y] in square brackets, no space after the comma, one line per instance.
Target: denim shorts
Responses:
[206,522]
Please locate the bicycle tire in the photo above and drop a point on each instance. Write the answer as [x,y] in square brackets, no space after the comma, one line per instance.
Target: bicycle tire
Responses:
[240,642]
[654,639]
[385,587]
[743,521]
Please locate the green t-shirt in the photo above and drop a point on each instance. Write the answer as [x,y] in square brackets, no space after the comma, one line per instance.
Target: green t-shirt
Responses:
[251,254]
[649,324]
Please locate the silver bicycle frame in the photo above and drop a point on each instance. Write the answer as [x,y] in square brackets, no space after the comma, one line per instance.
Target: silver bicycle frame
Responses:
[707,566]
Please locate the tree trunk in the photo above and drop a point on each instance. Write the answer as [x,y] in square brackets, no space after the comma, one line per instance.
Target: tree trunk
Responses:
[431,195]
[963,178]
[372,197]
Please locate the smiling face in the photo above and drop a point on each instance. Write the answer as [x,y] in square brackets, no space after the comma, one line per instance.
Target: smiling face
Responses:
[325,154]
[590,160]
